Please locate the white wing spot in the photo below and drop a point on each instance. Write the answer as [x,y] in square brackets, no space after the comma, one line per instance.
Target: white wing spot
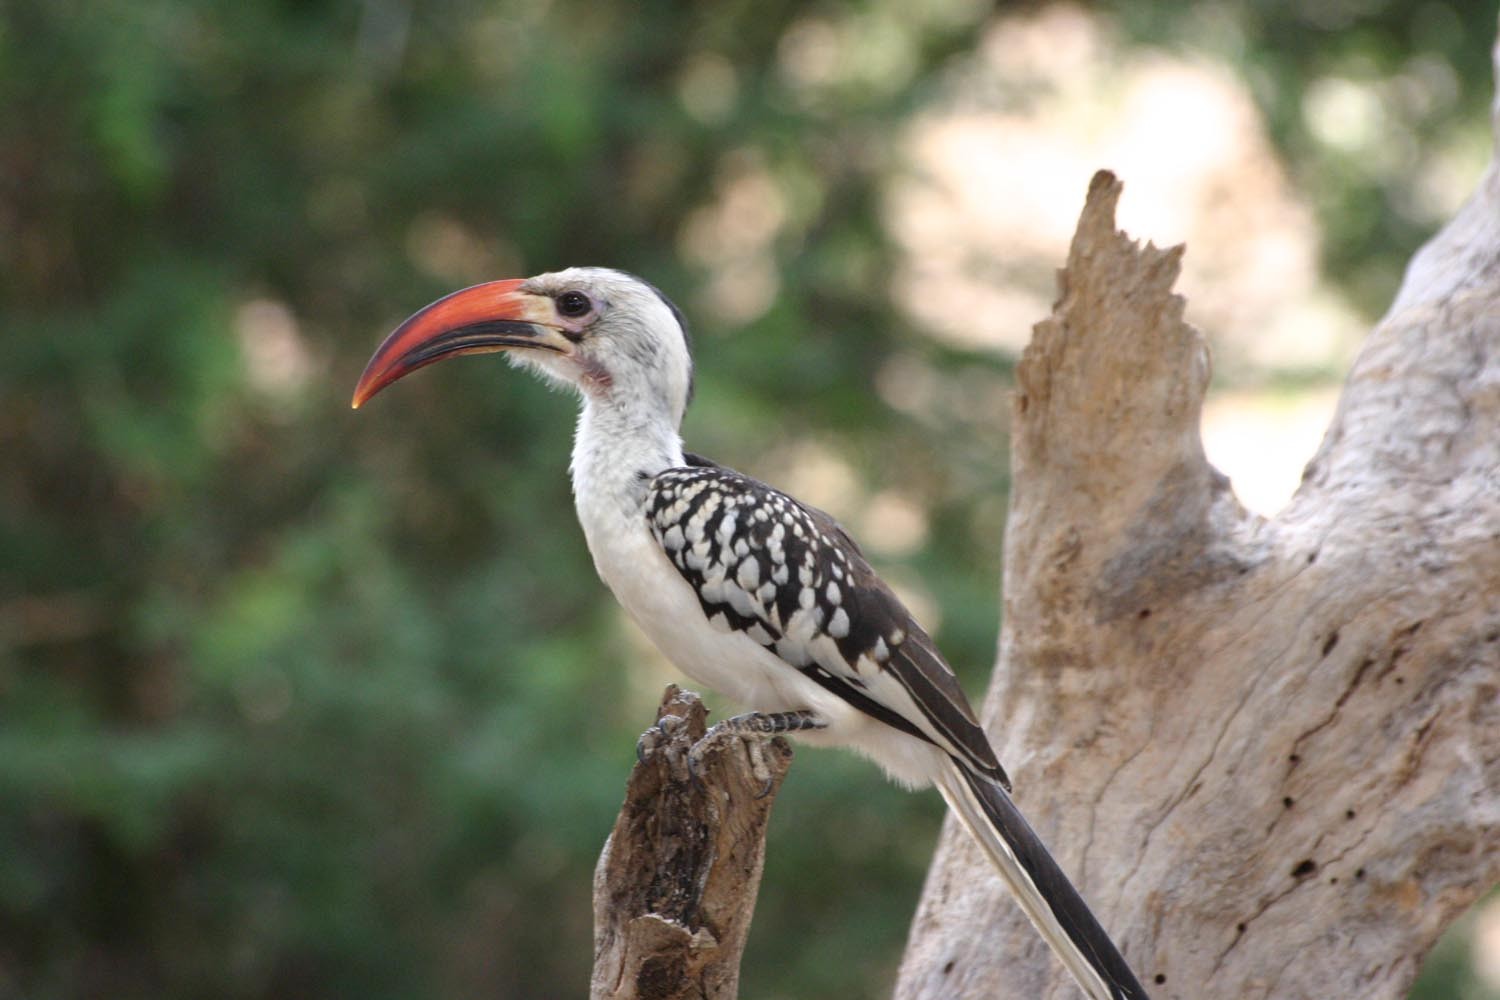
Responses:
[739,600]
[838,625]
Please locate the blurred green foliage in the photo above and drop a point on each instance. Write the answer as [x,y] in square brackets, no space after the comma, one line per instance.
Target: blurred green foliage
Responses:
[298,704]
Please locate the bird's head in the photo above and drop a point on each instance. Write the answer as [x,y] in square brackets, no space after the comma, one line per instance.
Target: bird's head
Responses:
[610,334]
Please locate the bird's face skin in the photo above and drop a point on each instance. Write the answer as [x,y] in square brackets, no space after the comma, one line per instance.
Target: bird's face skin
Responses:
[614,337]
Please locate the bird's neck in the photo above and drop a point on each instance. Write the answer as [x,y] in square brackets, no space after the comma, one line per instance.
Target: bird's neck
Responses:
[616,452]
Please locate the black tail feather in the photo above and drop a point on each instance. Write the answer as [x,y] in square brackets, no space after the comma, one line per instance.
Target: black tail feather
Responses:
[1066,912]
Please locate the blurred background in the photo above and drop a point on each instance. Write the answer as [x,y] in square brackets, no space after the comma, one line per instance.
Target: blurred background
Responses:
[296,702]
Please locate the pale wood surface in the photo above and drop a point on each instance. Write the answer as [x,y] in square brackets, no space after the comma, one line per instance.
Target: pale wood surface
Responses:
[1268,750]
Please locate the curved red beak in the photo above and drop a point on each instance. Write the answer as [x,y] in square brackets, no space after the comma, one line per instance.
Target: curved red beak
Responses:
[494,316]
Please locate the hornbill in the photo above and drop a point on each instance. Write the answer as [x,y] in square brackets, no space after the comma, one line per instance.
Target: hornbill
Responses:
[744,588]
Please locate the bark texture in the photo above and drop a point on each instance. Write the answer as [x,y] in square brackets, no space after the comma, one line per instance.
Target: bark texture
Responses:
[675,887]
[1268,751]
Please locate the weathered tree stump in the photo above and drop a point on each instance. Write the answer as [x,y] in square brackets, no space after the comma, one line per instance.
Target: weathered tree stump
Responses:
[675,888]
[1268,750]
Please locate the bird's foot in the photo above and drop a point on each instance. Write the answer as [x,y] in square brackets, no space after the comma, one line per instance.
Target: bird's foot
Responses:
[752,730]
[666,727]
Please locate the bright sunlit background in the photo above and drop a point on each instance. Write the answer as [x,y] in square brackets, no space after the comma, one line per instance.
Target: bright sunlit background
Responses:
[298,702]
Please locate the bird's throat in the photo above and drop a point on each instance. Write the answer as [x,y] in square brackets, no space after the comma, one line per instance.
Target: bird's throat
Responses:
[616,452]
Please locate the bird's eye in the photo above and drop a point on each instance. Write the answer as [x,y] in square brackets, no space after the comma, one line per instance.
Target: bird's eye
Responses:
[574,304]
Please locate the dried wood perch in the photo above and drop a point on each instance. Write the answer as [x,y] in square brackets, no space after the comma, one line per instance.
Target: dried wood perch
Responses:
[675,888]
[1269,750]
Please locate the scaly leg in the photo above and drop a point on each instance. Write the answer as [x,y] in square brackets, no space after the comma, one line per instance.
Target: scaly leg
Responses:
[754,728]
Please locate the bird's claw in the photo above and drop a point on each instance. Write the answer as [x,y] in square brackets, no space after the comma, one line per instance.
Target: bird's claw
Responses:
[767,783]
[666,727]
[722,734]
[709,741]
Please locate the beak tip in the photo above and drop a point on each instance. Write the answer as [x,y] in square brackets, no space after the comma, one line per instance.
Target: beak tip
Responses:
[363,390]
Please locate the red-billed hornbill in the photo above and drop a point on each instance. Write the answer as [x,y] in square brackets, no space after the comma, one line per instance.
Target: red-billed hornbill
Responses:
[745,589]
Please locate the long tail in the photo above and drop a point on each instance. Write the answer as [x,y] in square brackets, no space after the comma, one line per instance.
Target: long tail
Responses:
[1038,884]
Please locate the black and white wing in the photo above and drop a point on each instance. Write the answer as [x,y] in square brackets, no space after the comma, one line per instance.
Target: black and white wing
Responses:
[788,576]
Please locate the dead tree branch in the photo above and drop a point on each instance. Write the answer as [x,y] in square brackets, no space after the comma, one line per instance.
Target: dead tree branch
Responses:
[675,888]
[1268,750]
